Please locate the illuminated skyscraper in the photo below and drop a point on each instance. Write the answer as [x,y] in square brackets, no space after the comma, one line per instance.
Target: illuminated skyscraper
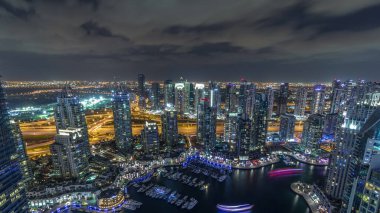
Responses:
[199,93]
[155,96]
[318,101]
[141,90]
[149,138]
[365,145]
[179,100]
[231,131]
[21,153]
[312,133]
[259,122]
[169,97]
[283,98]
[247,99]
[338,97]
[69,113]
[12,187]
[215,96]
[270,95]
[370,197]
[169,127]
[301,96]
[188,98]
[350,123]
[232,103]
[206,124]
[287,124]
[122,120]
[70,160]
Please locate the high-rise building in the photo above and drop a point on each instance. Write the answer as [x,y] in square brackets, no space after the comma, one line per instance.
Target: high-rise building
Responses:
[312,133]
[149,138]
[350,122]
[69,113]
[122,120]
[370,197]
[245,142]
[206,124]
[21,153]
[155,96]
[318,101]
[70,160]
[338,97]
[287,124]
[12,187]
[231,131]
[367,142]
[232,100]
[270,95]
[215,96]
[331,122]
[141,90]
[188,98]
[259,122]
[247,93]
[283,98]
[169,96]
[301,96]
[169,127]
[179,100]
[199,94]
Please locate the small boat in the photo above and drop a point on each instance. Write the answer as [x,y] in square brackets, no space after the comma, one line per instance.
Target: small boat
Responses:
[234,208]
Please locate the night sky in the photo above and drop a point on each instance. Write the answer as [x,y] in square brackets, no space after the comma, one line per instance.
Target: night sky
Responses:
[260,40]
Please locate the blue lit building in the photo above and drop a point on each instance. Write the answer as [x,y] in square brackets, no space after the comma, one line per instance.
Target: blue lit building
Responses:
[122,120]
[206,124]
[12,187]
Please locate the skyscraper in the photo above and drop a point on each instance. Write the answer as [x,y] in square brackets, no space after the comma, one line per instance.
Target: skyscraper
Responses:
[301,96]
[330,124]
[12,188]
[199,94]
[122,120]
[215,96]
[69,113]
[350,121]
[206,124]
[283,98]
[188,98]
[365,146]
[149,138]
[312,133]
[231,131]
[247,99]
[259,122]
[169,97]
[179,100]
[141,90]
[155,96]
[287,124]
[318,101]
[70,160]
[270,95]
[338,97]
[232,102]
[169,127]
[21,153]
[370,202]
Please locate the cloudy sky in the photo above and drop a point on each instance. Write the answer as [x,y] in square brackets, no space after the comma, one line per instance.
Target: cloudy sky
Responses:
[260,40]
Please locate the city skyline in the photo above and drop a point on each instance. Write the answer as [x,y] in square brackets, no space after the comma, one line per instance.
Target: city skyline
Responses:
[97,40]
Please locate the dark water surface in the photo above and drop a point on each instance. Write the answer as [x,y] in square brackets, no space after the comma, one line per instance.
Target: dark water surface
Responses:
[267,194]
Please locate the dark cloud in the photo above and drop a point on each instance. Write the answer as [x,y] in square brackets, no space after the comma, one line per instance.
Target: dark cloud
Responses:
[93,3]
[92,28]
[254,39]
[216,48]
[16,11]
